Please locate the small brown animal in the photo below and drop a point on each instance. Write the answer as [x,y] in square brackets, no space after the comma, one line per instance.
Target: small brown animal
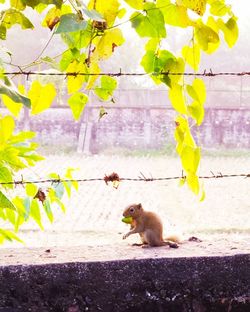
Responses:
[148,225]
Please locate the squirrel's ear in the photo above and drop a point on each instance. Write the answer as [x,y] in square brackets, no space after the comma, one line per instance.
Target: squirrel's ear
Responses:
[139,206]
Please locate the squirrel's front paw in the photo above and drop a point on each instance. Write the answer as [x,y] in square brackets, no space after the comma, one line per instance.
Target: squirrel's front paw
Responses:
[125,236]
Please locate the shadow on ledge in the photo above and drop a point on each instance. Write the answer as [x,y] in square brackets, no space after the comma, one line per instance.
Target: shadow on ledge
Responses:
[142,285]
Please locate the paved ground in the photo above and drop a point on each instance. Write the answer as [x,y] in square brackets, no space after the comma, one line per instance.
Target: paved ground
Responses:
[94,213]
[215,245]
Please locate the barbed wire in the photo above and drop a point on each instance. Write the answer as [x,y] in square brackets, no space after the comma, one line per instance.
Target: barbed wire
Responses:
[210,73]
[115,177]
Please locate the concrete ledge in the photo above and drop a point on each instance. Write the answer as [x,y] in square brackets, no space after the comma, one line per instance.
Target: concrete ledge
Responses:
[217,283]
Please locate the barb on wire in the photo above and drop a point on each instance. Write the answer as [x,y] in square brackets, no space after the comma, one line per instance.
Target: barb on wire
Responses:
[120,73]
[115,177]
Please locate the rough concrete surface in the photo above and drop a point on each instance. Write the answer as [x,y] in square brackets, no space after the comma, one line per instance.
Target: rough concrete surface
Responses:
[90,278]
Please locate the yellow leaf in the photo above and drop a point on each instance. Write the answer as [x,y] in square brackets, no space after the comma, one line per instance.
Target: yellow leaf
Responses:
[93,68]
[230,30]
[198,6]
[192,55]
[107,43]
[207,37]
[177,99]
[12,106]
[108,9]
[190,158]
[175,15]
[176,66]
[198,90]
[136,4]
[41,97]
[75,82]
[196,110]
[203,195]
[7,126]
[182,134]
[54,14]
[182,181]
[212,23]
[193,183]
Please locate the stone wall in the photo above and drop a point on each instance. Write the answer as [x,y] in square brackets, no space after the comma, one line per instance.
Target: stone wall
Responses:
[200,284]
[142,119]
[136,128]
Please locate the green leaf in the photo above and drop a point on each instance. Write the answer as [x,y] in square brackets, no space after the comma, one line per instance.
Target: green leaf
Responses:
[6,176]
[59,190]
[192,56]
[70,23]
[3,32]
[22,136]
[8,235]
[5,202]
[77,103]
[177,99]
[67,186]
[151,24]
[157,62]
[41,96]
[108,85]
[148,61]
[13,16]
[34,3]
[11,157]
[230,30]
[47,208]
[35,212]
[173,66]
[79,39]
[8,89]
[175,15]
[67,57]
[93,14]
[11,216]
[19,221]
[69,175]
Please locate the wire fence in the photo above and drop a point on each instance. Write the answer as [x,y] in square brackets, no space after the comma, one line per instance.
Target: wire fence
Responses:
[205,73]
[114,177]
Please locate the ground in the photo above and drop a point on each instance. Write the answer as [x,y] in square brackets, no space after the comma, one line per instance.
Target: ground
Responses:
[92,228]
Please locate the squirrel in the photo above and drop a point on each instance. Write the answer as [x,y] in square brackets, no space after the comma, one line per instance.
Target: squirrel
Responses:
[148,225]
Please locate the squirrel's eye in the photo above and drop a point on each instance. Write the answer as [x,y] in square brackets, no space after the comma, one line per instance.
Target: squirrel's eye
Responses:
[131,210]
